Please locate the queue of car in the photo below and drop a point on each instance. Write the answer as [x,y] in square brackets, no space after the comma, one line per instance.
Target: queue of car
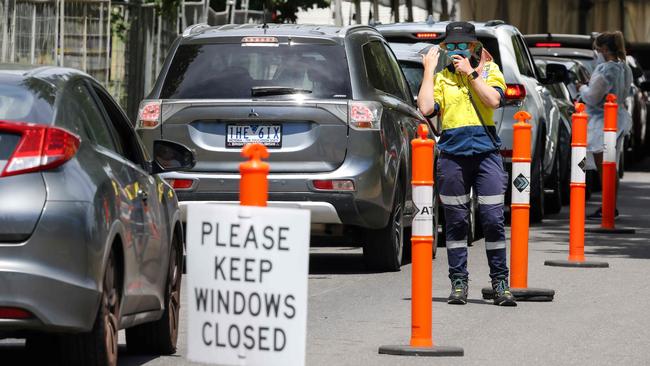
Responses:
[336,107]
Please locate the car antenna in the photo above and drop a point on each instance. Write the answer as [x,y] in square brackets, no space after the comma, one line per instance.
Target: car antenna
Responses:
[265,26]
[430,20]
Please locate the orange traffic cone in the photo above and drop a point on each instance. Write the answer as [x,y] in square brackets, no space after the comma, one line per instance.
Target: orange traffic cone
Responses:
[577,214]
[422,252]
[520,212]
[607,225]
[254,185]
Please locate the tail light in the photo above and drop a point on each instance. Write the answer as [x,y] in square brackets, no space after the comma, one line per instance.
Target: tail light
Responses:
[548,44]
[149,115]
[181,183]
[334,185]
[515,92]
[40,148]
[14,313]
[427,35]
[365,115]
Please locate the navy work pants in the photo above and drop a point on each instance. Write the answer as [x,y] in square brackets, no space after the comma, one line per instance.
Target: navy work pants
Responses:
[455,176]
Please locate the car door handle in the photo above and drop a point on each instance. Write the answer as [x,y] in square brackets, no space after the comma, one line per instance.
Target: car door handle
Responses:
[143,194]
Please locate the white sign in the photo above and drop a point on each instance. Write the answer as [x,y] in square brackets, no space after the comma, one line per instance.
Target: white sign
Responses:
[247,271]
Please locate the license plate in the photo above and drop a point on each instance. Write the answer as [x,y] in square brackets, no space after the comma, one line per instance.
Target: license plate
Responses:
[266,134]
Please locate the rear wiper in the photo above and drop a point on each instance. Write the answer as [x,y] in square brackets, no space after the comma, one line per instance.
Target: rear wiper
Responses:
[258,91]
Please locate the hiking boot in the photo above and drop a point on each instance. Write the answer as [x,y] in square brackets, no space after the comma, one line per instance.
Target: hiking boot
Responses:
[502,294]
[458,294]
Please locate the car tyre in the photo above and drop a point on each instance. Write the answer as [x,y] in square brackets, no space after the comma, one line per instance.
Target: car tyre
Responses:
[553,201]
[384,248]
[160,337]
[99,347]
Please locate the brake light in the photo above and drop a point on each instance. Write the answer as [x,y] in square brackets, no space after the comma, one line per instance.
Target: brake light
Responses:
[515,92]
[181,183]
[548,44]
[149,114]
[40,147]
[428,35]
[14,313]
[365,115]
[260,41]
[334,185]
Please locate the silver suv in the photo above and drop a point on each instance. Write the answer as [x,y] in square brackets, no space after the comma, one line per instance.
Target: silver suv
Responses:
[524,91]
[331,104]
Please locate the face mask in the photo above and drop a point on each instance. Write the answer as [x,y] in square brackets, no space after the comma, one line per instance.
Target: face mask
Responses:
[600,58]
[464,53]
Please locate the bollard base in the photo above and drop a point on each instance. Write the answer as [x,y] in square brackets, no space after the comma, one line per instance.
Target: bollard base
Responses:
[523,294]
[583,264]
[602,230]
[435,351]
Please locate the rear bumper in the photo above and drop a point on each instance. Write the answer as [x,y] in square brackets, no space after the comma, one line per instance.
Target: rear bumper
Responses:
[321,212]
[57,306]
[53,274]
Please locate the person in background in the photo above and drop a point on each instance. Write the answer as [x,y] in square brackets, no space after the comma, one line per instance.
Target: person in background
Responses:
[464,95]
[612,75]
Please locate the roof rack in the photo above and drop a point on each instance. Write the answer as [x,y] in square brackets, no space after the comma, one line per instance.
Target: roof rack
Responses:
[494,22]
[194,28]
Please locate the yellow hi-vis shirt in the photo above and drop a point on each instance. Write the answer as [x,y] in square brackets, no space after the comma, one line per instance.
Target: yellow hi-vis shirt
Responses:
[462,131]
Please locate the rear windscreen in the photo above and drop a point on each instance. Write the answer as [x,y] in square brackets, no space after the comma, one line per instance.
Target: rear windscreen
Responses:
[230,71]
[26,100]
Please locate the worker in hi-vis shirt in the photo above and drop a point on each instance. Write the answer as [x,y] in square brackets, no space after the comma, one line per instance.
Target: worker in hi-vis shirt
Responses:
[464,95]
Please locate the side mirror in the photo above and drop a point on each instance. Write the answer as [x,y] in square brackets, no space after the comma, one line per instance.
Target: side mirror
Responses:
[556,73]
[645,86]
[171,156]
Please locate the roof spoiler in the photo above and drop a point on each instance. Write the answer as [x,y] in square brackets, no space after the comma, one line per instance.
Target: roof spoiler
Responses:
[194,28]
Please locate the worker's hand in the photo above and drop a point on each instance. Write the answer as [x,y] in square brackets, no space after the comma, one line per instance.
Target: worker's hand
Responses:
[462,64]
[430,60]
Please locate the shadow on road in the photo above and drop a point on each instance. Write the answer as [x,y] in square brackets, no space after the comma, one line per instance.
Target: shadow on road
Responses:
[16,354]
[339,261]
[444,300]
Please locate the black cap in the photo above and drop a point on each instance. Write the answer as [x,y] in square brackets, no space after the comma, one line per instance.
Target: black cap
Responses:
[458,32]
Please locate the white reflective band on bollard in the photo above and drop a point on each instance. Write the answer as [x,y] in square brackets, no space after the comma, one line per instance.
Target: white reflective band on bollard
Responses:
[578,163]
[520,183]
[423,220]
[609,155]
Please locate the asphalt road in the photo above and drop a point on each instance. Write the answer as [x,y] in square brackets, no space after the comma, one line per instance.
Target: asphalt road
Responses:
[599,316]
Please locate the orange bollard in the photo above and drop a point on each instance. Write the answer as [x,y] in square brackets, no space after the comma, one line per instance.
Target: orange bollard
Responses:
[254,185]
[609,172]
[520,213]
[577,207]
[421,343]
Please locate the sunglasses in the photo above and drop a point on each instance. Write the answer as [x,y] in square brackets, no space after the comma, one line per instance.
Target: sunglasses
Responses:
[454,46]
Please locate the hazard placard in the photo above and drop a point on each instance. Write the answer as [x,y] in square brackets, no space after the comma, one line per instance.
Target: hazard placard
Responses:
[247,271]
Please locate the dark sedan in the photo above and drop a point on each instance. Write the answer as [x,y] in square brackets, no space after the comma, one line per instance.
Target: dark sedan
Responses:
[90,236]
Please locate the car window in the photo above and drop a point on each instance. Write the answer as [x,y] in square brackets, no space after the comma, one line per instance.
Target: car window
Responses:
[120,127]
[402,83]
[413,71]
[79,113]
[380,70]
[523,60]
[230,71]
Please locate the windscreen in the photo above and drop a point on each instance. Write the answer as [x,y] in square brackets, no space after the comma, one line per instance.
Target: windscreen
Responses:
[26,99]
[231,71]
[413,72]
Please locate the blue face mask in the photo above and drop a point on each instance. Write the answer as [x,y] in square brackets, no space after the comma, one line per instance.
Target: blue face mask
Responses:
[464,53]
[600,58]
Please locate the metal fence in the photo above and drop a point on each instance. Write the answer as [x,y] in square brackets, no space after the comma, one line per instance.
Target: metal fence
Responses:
[79,34]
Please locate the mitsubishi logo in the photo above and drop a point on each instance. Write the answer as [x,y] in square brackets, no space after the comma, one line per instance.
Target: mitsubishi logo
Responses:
[253,113]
